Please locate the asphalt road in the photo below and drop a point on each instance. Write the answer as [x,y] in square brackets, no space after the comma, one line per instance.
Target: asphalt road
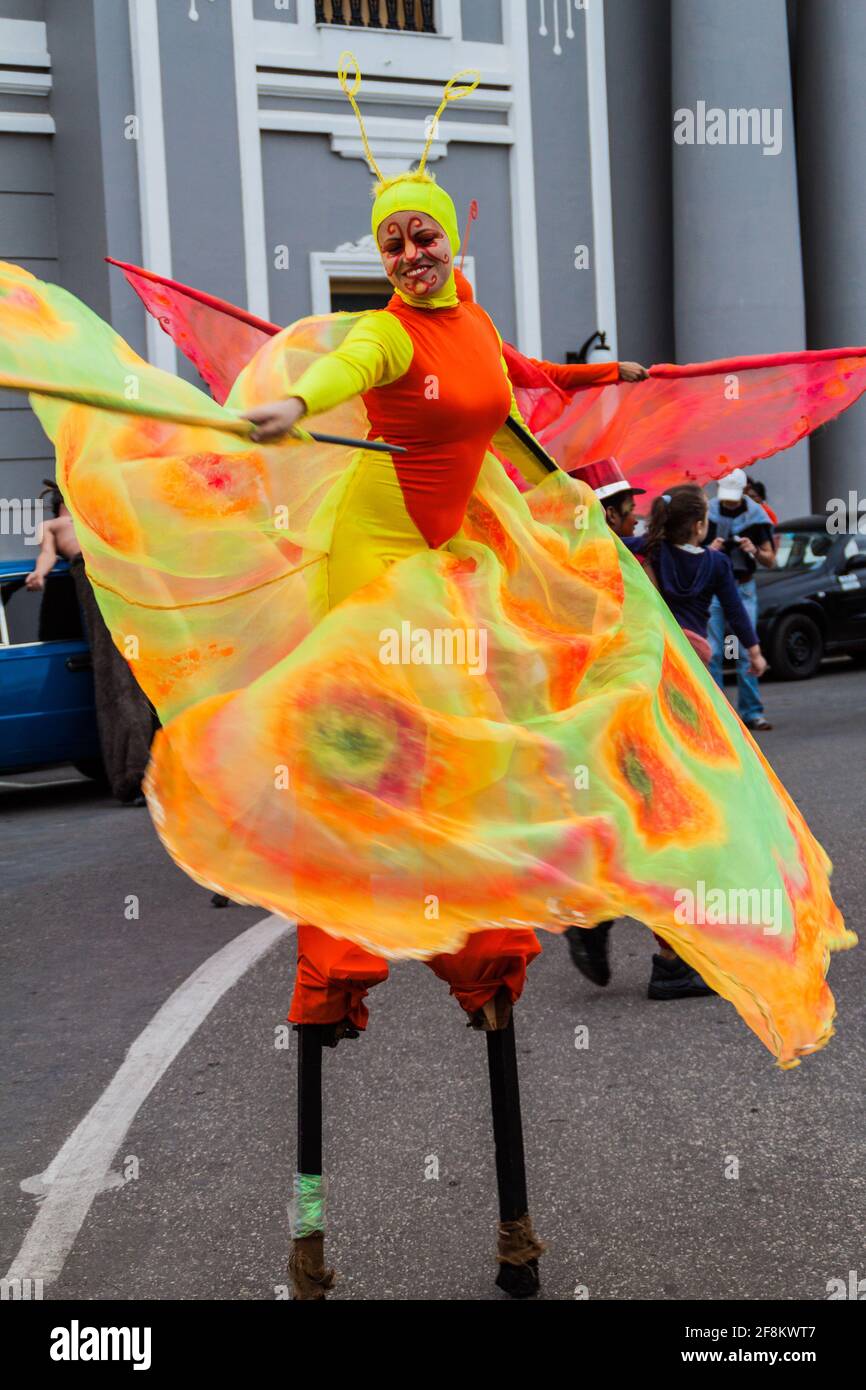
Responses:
[628,1142]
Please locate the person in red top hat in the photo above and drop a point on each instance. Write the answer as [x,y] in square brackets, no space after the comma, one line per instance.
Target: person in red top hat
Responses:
[613,490]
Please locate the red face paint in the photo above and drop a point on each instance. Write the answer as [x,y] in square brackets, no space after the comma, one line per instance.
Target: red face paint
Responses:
[416,254]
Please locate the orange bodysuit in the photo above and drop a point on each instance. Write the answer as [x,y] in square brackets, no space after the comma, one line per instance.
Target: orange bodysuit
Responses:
[434,381]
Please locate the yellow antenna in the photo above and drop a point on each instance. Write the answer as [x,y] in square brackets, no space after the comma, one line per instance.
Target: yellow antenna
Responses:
[343,74]
[451,93]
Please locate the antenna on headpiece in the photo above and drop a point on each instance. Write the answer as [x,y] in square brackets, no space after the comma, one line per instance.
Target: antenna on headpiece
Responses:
[452,93]
[473,213]
[343,75]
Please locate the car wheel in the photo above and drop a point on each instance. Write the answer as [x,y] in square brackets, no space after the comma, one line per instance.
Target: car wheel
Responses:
[796,647]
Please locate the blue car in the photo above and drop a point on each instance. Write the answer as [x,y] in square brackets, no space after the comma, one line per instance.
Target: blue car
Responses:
[47,712]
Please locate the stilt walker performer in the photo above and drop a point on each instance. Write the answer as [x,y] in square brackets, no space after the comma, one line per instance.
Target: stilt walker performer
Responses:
[415,709]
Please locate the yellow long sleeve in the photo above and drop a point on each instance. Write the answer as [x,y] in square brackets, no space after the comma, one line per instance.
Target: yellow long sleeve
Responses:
[376,351]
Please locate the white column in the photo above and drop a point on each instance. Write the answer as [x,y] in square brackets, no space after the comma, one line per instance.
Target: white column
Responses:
[599,155]
[737,260]
[831,63]
[522,169]
[250,149]
[152,178]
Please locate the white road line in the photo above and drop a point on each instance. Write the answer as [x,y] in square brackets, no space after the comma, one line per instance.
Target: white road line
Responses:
[77,1173]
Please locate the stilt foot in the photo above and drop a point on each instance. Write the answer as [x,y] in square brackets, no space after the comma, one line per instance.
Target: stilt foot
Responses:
[310,1279]
[329,1034]
[495,1015]
[518,1254]
[519,1281]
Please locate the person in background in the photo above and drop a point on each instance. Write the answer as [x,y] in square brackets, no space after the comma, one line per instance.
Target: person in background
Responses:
[124,716]
[689,576]
[741,527]
[758,493]
[615,493]
[671,978]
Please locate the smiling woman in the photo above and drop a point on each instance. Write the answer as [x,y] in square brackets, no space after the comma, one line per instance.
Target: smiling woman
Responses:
[413,809]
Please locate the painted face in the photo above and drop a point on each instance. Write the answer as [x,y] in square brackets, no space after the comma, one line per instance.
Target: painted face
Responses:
[622,517]
[416,253]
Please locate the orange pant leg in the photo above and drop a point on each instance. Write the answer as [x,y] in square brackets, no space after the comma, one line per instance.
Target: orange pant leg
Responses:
[333,978]
[489,960]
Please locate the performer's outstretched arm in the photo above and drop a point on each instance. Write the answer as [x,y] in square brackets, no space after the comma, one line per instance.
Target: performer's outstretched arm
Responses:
[376,351]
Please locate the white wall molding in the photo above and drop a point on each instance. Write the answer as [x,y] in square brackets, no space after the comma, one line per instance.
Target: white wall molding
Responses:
[394,153]
[527,288]
[26,123]
[324,87]
[152,175]
[250,151]
[392,138]
[25,84]
[24,43]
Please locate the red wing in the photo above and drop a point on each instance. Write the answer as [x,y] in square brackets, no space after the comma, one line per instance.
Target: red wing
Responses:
[692,423]
[218,338]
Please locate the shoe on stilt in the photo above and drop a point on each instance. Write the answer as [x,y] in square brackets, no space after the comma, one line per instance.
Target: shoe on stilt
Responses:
[674,979]
[493,1016]
[310,1279]
[590,951]
[518,1253]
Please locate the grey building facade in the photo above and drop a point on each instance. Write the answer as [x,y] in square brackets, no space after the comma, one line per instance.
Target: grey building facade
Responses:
[208,140]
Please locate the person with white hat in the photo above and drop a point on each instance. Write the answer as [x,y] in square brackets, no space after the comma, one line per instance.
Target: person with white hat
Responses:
[742,528]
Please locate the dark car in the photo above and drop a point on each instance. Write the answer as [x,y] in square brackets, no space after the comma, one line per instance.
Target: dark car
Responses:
[813,604]
[47,712]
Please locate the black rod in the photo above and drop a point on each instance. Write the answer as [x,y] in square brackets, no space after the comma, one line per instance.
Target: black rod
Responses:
[309,1099]
[531,443]
[507,1124]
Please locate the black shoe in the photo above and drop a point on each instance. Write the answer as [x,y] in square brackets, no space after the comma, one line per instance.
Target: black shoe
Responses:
[673,979]
[588,947]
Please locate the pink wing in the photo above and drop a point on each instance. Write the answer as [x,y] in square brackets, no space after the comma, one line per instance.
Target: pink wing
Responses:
[218,338]
[698,422]
[685,423]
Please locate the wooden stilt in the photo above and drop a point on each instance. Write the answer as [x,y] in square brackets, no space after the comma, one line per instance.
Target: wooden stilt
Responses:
[310,1278]
[309,1099]
[519,1248]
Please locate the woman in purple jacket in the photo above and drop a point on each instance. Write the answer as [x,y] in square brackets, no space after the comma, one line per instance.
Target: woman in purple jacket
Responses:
[688,574]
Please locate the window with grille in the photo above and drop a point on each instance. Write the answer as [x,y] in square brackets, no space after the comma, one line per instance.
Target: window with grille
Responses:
[411,16]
